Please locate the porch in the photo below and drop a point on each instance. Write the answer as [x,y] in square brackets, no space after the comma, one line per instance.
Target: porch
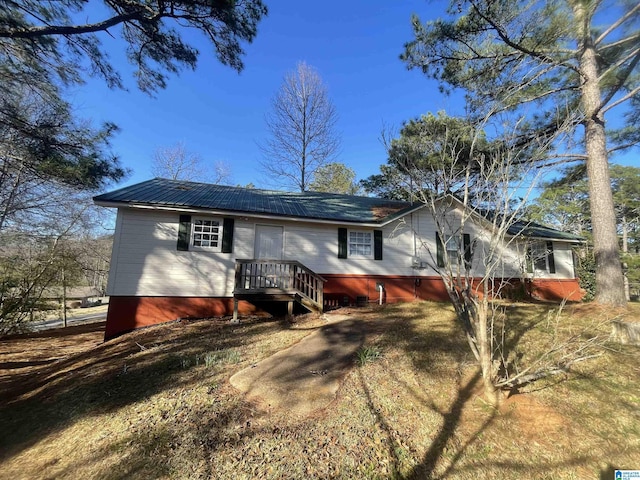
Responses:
[277,281]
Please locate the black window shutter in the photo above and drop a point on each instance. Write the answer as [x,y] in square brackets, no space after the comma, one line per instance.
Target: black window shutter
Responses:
[377,244]
[468,254]
[550,259]
[342,243]
[440,251]
[227,235]
[184,232]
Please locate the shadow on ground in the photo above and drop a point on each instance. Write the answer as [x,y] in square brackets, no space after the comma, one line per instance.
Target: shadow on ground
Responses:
[107,377]
[305,377]
[213,432]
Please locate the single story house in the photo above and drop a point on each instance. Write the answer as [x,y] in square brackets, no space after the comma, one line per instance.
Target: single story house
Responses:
[185,249]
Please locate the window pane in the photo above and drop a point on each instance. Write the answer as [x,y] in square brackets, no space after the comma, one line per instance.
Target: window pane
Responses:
[360,244]
[206,233]
[452,247]
[539,253]
[453,243]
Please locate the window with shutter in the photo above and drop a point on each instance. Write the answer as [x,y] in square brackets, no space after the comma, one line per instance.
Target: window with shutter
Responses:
[209,234]
[359,244]
[454,249]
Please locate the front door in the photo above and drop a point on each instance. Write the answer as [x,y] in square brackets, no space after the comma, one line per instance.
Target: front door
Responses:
[269,242]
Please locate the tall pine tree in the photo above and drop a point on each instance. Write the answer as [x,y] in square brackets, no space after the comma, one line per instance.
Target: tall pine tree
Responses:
[552,58]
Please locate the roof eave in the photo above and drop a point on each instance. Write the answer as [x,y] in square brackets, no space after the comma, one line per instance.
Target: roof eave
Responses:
[237,213]
[398,215]
[550,239]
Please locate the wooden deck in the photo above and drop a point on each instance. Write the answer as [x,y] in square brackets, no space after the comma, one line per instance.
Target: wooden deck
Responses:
[277,281]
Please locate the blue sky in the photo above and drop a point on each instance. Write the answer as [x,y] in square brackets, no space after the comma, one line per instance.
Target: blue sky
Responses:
[219,113]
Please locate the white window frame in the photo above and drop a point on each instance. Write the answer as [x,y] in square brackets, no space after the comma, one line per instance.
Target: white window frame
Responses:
[539,254]
[370,243]
[194,232]
[453,249]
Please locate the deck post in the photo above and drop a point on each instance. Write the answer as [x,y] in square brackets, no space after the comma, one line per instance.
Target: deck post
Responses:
[320,294]
[238,276]
[290,309]
[235,310]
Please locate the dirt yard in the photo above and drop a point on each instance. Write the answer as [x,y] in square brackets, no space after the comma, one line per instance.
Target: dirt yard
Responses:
[157,403]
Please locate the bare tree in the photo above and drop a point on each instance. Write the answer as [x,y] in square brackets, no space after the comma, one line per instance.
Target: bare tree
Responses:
[92,255]
[302,128]
[178,163]
[479,247]
[38,253]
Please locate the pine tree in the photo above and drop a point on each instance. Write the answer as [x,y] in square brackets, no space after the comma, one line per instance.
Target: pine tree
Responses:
[551,58]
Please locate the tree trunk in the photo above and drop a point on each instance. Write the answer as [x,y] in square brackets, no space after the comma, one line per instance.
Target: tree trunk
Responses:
[609,278]
[485,351]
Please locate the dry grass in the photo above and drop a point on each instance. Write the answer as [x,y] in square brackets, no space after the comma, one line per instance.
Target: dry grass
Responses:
[157,404]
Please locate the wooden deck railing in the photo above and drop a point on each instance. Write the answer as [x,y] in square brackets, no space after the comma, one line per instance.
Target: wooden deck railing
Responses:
[278,276]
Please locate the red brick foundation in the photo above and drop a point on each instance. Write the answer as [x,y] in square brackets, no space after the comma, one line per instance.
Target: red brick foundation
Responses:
[557,290]
[129,313]
[343,290]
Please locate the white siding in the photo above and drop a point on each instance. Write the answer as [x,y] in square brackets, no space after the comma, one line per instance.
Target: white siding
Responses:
[509,255]
[115,254]
[317,247]
[146,262]
[563,257]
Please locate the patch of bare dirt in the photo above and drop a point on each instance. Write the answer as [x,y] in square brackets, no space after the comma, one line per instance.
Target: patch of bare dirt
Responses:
[536,422]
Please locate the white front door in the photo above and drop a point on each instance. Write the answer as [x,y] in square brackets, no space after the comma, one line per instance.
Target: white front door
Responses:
[269,242]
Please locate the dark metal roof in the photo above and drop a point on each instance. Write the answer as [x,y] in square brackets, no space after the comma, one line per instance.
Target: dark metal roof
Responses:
[535,230]
[162,192]
[532,229]
[304,205]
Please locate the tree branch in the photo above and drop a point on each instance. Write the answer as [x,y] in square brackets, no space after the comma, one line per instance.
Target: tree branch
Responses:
[34,32]
[616,24]
[621,147]
[633,38]
[517,46]
[523,379]
[629,95]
